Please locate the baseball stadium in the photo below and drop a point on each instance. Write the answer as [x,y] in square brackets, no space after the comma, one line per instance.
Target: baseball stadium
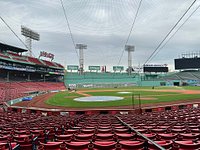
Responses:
[46,104]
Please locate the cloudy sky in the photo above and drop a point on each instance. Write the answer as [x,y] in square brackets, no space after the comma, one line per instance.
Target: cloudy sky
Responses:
[104,26]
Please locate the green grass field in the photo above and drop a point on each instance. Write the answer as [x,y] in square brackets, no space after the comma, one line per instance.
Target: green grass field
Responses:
[147,94]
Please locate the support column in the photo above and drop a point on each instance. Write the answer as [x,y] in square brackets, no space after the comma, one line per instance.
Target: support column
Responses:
[81,60]
[8,76]
[44,77]
[29,76]
[29,45]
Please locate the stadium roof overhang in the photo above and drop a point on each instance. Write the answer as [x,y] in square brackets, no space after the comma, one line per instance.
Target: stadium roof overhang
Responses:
[5,47]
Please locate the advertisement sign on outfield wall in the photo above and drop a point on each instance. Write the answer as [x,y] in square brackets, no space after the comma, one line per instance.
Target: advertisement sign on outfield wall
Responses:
[118,68]
[96,68]
[72,67]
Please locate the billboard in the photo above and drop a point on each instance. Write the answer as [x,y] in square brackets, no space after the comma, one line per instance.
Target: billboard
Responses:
[72,67]
[118,68]
[96,68]
[187,63]
[46,54]
[155,68]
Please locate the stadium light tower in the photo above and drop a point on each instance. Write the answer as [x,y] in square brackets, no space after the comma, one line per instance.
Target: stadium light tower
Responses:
[29,36]
[129,49]
[81,58]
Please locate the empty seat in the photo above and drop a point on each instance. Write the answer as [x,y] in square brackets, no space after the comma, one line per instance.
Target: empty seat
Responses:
[164,144]
[178,130]
[167,136]
[64,137]
[104,145]
[102,136]
[158,130]
[188,136]
[71,131]
[83,137]
[187,145]
[87,131]
[124,136]
[121,130]
[52,146]
[104,130]
[128,145]
[77,145]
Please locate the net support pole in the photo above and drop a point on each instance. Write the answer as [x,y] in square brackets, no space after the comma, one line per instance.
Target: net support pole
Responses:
[133,101]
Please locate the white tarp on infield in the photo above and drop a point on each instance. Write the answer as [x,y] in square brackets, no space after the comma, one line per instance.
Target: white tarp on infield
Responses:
[98,98]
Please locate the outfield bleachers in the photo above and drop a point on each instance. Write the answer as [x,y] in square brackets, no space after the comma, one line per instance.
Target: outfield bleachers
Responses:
[185,75]
[95,78]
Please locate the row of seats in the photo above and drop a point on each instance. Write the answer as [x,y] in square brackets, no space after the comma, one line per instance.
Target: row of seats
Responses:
[31,131]
[27,59]
[12,90]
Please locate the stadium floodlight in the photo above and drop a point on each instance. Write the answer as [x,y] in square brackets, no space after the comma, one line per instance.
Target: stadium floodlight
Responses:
[81,58]
[129,49]
[29,35]
[81,46]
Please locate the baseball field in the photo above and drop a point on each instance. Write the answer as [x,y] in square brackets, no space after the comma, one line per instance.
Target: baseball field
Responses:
[149,96]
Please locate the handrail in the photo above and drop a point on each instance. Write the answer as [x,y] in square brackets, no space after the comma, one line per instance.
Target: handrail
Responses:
[140,134]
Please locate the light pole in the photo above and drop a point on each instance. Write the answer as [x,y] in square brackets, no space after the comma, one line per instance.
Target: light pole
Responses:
[129,49]
[81,56]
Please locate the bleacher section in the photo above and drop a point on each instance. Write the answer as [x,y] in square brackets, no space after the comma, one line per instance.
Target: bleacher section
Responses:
[174,130]
[182,76]
[101,79]
[13,90]
[190,77]
[187,77]
[11,56]
[35,61]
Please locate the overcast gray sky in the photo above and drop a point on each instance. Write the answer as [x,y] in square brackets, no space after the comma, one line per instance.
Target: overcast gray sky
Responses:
[104,26]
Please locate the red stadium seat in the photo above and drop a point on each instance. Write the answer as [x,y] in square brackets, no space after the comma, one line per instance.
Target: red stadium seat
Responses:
[164,144]
[167,136]
[128,145]
[187,145]
[52,146]
[107,130]
[188,136]
[77,145]
[124,136]
[121,130]
[64,137]
[83,137]
[104,145]
[158,130]
[87,131]
[103,136]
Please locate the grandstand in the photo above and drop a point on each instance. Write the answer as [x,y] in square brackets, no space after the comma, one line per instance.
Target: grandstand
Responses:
[22,75]
[45,106]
